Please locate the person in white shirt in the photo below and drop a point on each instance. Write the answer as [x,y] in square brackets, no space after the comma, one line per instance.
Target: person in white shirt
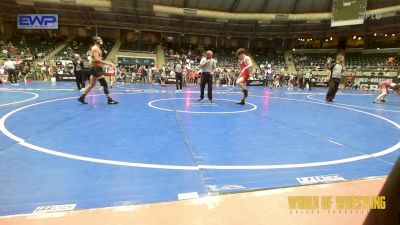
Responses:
[9,66]
[2,72]
[179,77]
[307,80]
[207,66]
[172,73]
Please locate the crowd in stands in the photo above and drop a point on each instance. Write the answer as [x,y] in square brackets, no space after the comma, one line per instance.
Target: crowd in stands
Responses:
[29,47]
[26,49]
[19,53]
[81,46]
[354,61]
[269,58]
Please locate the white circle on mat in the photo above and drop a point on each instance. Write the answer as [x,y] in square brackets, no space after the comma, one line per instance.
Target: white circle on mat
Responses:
[22,142]
[26,100]
[151,104]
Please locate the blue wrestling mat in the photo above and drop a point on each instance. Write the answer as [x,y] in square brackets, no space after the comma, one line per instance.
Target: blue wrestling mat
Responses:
[157,144]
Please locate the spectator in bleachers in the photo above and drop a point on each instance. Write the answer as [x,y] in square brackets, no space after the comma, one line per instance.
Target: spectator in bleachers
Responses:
[50,71]
[277,80]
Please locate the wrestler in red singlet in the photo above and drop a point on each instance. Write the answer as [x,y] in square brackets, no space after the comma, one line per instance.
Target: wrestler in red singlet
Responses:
[245,65]
[246,72]
[384,86]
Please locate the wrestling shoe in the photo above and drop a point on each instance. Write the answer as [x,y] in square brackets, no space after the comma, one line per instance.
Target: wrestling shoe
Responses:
[111,101]
[241,103]
[82,99]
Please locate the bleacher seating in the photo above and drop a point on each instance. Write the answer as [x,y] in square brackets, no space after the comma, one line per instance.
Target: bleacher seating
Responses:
[138,46]
[379,61]
[313,61]
[265,56]
[226,57]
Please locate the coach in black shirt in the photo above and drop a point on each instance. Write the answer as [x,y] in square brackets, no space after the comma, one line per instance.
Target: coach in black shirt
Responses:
[78,67]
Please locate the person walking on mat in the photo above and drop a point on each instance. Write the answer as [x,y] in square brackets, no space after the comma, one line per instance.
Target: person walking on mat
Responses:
[337,70]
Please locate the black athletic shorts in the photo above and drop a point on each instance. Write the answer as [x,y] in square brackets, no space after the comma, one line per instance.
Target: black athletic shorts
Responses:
[97,71]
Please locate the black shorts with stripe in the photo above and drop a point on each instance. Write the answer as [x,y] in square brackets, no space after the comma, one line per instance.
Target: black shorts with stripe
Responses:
[97,71]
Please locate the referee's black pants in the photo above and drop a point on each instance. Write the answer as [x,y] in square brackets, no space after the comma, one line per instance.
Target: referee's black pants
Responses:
[80,83]
[179,81]
[333,88]
[12,76]
[206,78]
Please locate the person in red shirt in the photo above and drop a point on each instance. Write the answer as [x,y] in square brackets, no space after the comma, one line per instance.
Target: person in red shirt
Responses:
[245,65]
[384,86]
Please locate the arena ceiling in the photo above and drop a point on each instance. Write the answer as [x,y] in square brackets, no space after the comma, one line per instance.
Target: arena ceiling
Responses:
[139,15]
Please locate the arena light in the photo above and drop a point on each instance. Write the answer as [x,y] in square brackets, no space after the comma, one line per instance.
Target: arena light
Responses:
[393,35]
[354,37]
[326,40]
[331,38]
[375,34]
[359,38]
[385,35]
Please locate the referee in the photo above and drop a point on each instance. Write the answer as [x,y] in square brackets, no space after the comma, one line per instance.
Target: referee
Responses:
[336,73]
[10,67]
[178,76]
[307,80]
[207,67]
